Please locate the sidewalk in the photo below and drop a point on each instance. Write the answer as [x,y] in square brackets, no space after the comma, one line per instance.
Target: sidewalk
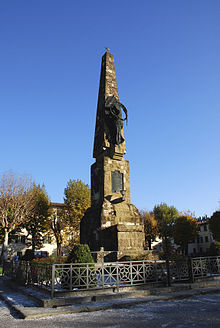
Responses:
[25,301]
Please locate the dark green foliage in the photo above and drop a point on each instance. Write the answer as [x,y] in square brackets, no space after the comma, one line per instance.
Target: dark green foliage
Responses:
[80,254]
[214,225]
[214,249]
[29,255]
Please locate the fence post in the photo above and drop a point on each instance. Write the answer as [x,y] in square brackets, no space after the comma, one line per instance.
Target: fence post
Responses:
[27,278]
[53,280]
[117,281]
[103,275]
[201,266]
[190,269]
[144,271]
[218,263]
[71,277]
[131,271]
[168,273]
[87,275]
[155,264]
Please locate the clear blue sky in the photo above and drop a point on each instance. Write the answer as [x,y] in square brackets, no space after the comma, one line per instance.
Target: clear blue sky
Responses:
[167,60]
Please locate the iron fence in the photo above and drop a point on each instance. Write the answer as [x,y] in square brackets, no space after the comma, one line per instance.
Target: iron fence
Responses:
[105,275]
[205,266]
[179,270]
[10,268]
[85,276]
[116,274]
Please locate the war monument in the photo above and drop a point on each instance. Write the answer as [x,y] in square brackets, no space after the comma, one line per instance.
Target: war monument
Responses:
[111,223]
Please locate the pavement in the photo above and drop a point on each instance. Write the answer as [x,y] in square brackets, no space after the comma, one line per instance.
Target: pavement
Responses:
[29,303]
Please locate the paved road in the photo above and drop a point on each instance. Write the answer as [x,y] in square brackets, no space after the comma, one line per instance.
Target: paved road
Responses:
[198,311]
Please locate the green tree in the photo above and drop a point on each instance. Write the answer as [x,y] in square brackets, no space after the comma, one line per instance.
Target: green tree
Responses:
[185,231]
[165,216]
[150,227]
[77,199]
[37,224]
[214,225]
[16,203]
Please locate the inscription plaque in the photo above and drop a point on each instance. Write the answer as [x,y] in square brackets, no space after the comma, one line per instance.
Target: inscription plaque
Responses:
[117,181]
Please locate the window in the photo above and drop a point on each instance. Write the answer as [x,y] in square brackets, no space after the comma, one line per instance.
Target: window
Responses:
[197,240]
[201,239]
[206,239]
[205,227]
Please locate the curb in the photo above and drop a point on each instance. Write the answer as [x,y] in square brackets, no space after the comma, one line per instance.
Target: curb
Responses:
[34,313]
[103,301]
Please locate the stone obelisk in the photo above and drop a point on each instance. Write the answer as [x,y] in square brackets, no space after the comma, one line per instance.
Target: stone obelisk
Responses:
[112,221]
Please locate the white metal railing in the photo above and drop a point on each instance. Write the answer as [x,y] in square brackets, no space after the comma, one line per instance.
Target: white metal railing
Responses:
[205,266]
[105,275]
[84,276]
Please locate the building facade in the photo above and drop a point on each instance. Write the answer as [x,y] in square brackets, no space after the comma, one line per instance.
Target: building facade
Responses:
[203,240]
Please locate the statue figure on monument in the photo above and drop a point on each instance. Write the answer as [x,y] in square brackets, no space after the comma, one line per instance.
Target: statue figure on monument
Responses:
[114,119]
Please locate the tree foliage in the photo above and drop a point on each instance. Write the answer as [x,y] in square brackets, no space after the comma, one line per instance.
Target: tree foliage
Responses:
[77,199]
[150,227]
[185,231]
[214,225]
[165,216]
[214,249]
[16,203]
[37,224]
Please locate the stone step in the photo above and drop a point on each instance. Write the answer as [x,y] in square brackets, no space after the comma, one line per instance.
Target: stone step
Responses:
[27,296]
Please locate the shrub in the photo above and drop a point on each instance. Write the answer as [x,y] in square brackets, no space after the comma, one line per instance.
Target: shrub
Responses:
[80,254]
[29,255]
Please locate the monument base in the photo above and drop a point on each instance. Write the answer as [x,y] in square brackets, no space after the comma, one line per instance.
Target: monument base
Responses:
[112,256]
[115,227]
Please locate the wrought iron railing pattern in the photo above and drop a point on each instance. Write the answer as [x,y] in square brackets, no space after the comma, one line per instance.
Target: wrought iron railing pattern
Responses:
[84,276]
[179,270]
[205,266]
[105,275]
